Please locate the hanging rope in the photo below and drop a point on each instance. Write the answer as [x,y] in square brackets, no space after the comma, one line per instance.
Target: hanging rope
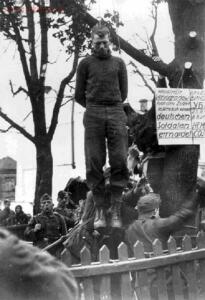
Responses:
[99,18]
[194,76]
[72,134]
[180,82]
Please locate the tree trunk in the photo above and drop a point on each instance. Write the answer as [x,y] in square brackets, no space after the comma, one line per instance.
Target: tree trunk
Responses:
[181,162]
[44,172]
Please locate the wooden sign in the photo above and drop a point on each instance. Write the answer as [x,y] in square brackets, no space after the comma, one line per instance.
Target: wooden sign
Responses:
[180,116]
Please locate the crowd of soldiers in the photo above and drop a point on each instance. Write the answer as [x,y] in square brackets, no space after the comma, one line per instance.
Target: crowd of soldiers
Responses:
[74,225]
[8,217]
[139,216]
[47,226]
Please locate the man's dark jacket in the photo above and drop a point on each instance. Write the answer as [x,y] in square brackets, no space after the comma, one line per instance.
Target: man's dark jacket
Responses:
[146,230]
[52,228]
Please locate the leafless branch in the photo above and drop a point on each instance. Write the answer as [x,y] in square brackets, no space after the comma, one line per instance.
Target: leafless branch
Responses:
[71,99]
[140,38]
[153,77]
[16,126]
[44,45]
[137,71]
[20,89]
[20,47]
[26,117]
[152,37]
[60,95]
[31,39]
[6,130]
[68,58]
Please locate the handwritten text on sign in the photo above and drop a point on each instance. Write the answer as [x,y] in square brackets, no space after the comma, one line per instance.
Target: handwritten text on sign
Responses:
[180,116]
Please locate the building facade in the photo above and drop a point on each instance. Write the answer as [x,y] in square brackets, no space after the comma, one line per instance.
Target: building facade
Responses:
[8,168]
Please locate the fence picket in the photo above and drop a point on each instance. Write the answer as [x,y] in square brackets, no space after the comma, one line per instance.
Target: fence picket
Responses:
[176,271]
[200,240]
[66,257]
[161,272]
[87,282]
[126,289]
[142,283]
[105,287]
[190,268]
[96,279]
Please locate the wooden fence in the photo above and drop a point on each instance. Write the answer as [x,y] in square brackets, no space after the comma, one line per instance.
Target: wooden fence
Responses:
[178,273]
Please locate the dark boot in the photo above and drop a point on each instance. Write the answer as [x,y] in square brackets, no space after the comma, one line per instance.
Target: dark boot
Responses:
[116,221]
[99,221]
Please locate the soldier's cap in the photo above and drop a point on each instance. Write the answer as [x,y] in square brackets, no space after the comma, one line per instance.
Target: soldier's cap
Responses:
[100,29]
[45,197]
[148,203]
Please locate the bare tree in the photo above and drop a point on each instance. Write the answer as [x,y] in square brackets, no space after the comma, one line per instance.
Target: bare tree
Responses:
[21,24]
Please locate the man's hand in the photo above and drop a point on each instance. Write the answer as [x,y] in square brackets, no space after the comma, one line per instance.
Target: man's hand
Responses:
[156,58]
[37,227]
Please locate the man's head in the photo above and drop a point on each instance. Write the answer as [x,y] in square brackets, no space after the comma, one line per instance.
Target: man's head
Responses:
[148,205]
[7,203]
[46,203]
[63,198]
[101,40]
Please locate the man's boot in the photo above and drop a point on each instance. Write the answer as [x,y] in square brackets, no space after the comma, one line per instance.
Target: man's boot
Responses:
[116,221]
[99,221]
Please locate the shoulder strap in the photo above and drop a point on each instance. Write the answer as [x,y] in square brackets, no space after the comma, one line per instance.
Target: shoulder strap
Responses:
[59,216]
[141,227]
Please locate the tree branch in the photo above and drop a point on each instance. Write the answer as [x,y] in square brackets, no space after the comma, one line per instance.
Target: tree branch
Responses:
[31,39]
[153,77]
[26,117]
[155,51]
[69,100]
[18,40]
[142,77]
[20,89]
[64,82]
[6,130]
[16,126]
[44,45]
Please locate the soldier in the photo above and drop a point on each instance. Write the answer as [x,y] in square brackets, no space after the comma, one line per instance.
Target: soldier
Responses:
[19,218]
[46,227]
[68,214]
[6,214]
[149,226]
[101,87]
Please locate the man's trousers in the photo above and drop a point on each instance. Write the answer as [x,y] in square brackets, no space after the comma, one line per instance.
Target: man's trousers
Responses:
[106,131]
